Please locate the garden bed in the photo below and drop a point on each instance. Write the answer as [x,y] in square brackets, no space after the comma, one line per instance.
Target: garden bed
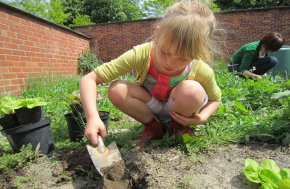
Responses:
[247,114]
[218,167]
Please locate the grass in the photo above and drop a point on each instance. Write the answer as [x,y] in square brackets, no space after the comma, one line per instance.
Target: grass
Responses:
[18,160]
[247,113]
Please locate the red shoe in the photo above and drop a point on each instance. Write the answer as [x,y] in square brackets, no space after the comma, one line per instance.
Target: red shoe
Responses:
[153,130]
[178,130]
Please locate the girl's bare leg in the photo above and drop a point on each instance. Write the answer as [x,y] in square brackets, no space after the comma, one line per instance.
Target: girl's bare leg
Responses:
[131,99]
[188,98]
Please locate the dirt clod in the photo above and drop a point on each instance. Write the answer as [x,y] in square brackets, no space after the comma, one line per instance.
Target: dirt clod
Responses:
[114,172]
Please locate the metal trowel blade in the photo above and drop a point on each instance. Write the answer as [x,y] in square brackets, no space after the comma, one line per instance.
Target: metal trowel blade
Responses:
[106,159]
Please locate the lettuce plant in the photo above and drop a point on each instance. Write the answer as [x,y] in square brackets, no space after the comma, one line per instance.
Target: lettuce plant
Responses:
[31,102]
[9,103]
[267,174]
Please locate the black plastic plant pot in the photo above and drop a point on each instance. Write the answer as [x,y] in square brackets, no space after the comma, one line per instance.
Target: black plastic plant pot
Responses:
[76,124]
[105,117]
[9,121]
[35,134]
[27,116]
[76,127]
[77,109]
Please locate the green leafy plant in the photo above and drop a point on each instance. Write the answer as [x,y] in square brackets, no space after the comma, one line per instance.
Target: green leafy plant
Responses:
[87,62]
[73,98]
[246,114]
[267,174]
[31,102]
[8,104]
[18,160]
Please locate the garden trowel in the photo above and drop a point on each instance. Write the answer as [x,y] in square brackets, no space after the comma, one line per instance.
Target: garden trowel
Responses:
[103,156]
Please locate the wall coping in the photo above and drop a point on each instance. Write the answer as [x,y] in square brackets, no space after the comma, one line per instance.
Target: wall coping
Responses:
[149,19]
[2,4]
[115,22]
[251,10]
[121,22]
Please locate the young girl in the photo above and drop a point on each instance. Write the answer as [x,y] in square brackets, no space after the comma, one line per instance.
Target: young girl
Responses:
[252,59]
[173,86]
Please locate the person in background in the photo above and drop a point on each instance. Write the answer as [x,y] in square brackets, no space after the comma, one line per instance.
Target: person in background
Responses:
[252,59]
[174,87]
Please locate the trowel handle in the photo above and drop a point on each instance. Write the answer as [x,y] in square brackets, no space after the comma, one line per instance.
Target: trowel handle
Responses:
[101,145]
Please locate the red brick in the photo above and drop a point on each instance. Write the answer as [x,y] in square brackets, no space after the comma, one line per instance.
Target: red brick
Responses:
[3,70]
[24,58]
[27,70]
[11,46]
[9,76]
[5,82]
[19,53]
[17,81]
[2,57]
[6,51]
[12,58]
[13,88]
[21,75]
[7,64]
[14,70]
[3,27]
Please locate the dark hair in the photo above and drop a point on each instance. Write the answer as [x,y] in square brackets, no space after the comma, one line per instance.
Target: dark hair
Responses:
[272,41]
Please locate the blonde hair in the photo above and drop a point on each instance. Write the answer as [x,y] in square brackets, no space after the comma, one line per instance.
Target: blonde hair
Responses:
[187,29]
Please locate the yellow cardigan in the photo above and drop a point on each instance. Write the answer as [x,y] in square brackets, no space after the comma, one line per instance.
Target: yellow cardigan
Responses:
[138,59]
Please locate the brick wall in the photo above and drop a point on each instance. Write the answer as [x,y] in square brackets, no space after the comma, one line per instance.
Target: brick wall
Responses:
[250,25]
[30,46]
[112,39]
[109,40]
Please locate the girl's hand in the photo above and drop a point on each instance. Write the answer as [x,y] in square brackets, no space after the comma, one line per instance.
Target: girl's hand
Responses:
[186,121]
[95,127]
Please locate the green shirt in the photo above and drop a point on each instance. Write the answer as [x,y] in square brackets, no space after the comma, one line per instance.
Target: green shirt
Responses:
[245,56]
[138,59]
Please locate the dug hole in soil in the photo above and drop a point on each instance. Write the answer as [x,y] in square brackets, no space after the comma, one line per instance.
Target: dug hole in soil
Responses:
[218,168]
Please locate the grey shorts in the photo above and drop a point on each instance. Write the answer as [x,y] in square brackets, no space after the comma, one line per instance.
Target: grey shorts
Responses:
[164,115]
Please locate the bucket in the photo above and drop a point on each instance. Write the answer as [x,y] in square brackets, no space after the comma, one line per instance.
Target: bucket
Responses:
[34,134]
[283,66]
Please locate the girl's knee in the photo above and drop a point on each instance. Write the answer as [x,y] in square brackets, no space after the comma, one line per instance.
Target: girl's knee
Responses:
[188,97]
[189,89]
[115,90]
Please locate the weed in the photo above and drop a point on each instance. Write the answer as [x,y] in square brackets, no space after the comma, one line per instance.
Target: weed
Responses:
[18,160]
[66,144]
[65,176]
[21,181]
[87,62]
[186,182]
